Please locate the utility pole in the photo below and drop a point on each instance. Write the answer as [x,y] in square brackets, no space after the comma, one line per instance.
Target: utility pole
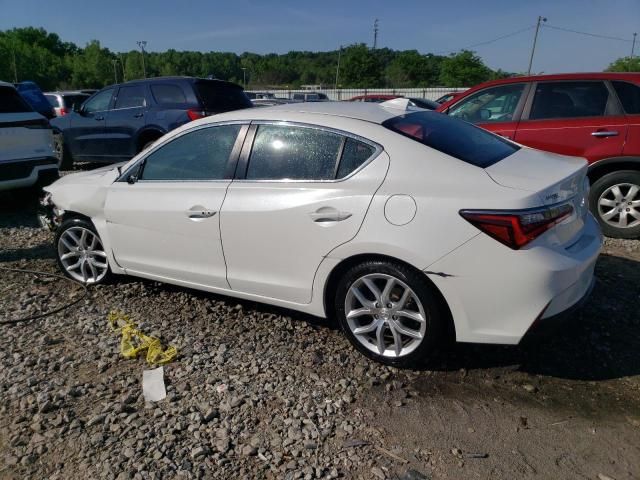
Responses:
[535,39]
[633,45]
[124,72]
[338,69]
[15,66]
[375,33]
[142,44]
[115,69]
[244,77]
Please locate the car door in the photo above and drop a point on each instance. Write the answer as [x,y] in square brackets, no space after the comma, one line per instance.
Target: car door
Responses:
[86,134]
[300,192]
[496,109]
[125,120]
[580,118]
[163,216]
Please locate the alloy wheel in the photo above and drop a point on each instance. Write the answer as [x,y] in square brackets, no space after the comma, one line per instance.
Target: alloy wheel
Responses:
[385,315]
[619,205]
[82,255]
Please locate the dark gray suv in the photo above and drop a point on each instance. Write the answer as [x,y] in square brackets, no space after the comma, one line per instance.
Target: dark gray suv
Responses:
[119,121]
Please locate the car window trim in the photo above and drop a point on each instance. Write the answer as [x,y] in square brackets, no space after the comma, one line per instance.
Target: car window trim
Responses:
[534,87]
[517,112]
[230,168]
[241,174]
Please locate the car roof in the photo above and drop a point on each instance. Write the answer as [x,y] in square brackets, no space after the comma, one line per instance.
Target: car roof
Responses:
[369,112]
[631,76]
[7,84]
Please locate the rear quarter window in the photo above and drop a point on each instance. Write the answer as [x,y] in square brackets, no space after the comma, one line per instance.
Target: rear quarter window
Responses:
[168,94]
[629,95]
[453,137]
[219,97]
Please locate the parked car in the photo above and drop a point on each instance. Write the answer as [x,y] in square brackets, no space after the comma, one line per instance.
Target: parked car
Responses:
[379,98]
[591,115]
[310,97]
[259,95]
[63,102]
[269,102]
[27,156]
[448,97]
[35,98]
[404,224]
[121,120]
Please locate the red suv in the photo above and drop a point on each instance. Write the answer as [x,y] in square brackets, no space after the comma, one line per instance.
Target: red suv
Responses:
[591,115]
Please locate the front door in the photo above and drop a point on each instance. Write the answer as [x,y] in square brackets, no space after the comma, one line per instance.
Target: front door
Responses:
[577,118]
[164,222]
[86,135]
[125,120]
[496,109]
[305,192]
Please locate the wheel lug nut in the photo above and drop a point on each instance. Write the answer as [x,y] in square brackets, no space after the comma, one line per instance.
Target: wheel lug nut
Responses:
[628,209]
[389,305]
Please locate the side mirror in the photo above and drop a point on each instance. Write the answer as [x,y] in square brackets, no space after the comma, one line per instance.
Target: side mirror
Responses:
[132,178]
[485,114]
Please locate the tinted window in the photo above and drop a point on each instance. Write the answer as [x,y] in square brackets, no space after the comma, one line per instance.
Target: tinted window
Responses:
[199,155]
[53,100]
[130,97]
[296,153]
[168,94]
[451,136]
[221,97]
[355,153]
[569,100]
[12,102]
[629,96]
[497,104]
[71,100]
[99,102]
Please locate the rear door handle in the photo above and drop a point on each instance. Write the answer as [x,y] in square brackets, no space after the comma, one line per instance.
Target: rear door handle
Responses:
[604,133]
[329,214]
[98,118]
[138,115]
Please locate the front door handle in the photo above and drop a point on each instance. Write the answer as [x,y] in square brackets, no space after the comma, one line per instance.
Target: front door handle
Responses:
[138,115]
[329,214]
[604,133]
[98,118]
[198,212]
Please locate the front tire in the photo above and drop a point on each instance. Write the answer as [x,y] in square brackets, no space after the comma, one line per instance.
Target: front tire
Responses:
[615,202]
[80,253]
[389,312]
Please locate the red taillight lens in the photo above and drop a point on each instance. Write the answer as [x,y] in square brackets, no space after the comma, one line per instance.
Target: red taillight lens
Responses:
[515,229]
[63,111]
[196,114]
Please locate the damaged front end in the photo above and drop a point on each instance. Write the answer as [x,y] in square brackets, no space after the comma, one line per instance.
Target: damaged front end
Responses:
[49,215]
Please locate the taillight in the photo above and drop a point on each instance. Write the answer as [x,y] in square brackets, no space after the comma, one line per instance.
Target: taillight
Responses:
[196,114]
[516,228]
[63,111]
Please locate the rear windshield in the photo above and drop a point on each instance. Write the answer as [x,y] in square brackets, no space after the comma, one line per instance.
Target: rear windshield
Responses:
[12,102]
[71,100]
[454,137]
[219,97]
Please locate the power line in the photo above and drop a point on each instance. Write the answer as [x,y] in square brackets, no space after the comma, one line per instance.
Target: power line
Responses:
[596,35]
[487,42]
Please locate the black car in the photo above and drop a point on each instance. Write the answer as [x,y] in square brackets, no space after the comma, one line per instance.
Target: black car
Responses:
[121,120]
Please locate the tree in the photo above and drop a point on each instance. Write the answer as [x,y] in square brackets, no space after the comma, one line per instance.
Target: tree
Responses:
[625,64]
[463,69]
[361,67]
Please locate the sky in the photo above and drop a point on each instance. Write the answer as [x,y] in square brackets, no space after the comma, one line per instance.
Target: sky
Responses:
[280,26]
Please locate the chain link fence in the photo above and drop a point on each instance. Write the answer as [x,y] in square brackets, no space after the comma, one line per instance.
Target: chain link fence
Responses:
[346,93]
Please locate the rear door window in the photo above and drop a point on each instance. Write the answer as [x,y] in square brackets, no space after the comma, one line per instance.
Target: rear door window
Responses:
[629,95]
[569,100]
[130,97]
[168,94]
[12,102]
[220,97]
[448,135]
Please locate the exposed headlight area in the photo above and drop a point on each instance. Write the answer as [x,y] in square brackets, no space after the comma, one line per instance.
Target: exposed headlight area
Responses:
[49,215]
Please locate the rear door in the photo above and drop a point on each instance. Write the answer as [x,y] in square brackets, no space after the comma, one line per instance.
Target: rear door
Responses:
[86,135]
[496,109]
[579,118]
[301,191]
[125,120]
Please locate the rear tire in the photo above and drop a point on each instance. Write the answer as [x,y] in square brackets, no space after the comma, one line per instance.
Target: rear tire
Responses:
[390,313]
[615,202]
[65,160]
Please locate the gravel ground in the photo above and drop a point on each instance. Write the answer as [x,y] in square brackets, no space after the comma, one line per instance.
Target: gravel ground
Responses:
[259,392]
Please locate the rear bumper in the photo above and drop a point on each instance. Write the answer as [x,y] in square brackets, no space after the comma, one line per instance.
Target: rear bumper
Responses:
[495,294]
[25,173]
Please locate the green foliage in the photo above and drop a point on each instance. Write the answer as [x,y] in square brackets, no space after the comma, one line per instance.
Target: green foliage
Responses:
[44,58]
[625,64]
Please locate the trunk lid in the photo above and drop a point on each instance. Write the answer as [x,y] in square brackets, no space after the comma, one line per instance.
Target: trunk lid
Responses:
[556,179]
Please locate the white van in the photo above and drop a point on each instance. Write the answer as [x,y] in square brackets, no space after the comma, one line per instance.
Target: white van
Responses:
[27,154]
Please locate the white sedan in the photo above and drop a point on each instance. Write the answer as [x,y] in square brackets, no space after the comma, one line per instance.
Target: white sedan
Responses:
[402,223]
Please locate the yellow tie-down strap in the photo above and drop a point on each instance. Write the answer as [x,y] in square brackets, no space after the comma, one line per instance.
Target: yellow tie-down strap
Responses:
[134,342]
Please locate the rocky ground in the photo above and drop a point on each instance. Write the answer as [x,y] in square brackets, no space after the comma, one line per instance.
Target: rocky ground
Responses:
[259,392]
